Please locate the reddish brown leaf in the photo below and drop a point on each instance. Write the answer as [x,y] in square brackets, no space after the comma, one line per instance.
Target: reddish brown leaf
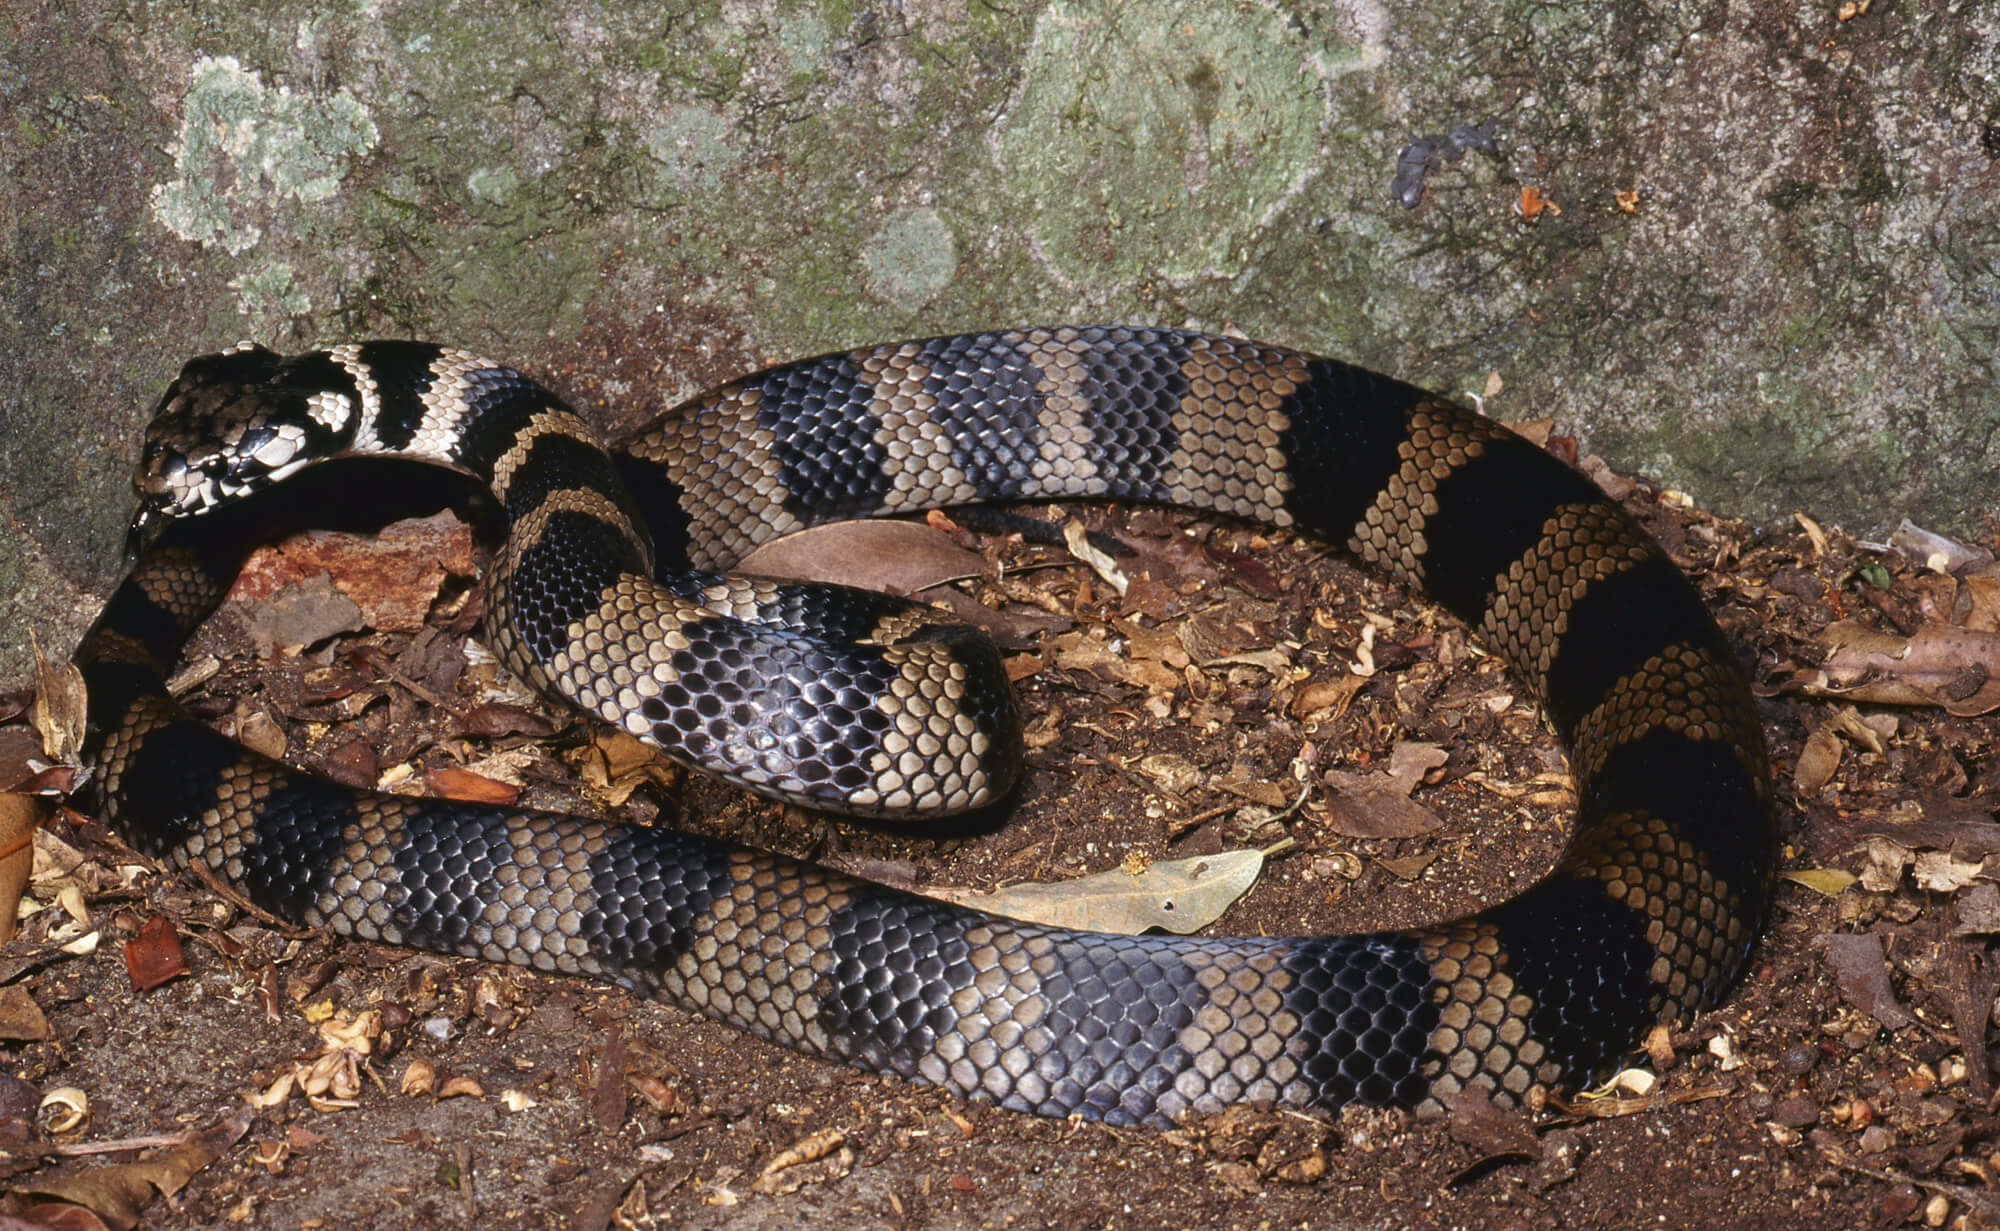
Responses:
[897,556]
[497,718]
[154,955]
[354,763]
[451,782]
[20,817]
[1247,570]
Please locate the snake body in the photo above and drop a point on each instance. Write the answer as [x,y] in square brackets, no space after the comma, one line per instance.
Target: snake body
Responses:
[1649,916]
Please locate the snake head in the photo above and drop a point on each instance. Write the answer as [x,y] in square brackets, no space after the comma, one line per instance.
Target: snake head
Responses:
[232,424]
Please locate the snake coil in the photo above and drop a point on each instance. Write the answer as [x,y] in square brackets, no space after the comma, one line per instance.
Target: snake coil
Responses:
[862,703]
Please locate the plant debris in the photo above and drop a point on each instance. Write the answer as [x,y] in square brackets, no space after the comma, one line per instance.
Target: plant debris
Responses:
[1244,691]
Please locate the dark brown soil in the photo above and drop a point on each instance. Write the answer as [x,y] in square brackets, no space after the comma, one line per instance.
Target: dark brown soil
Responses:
[1791,1106]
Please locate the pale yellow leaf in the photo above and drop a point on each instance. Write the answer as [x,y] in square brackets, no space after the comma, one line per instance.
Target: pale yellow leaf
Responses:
[1176,895]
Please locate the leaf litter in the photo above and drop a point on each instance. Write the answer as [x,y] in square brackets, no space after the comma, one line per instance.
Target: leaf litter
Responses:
[1188,715]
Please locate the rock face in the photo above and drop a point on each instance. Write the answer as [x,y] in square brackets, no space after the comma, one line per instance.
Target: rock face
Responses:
[1751,252]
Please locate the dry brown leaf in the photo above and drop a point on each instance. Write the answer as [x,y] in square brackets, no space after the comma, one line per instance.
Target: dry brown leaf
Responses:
[1176,895]
[1410,760]
[1817,762]
[1408,867]
[1173,774]
[1490,1131]
[1374,806]
[1871,732]
[1100,562]
[1938,872]
[1966,838]
[1979,600]
[118,1192]
[820,1157]
[1085,650]
[1813,532]
[617,764]
[20,1016]
[899,557]
[1862,971]
[1955,668]
[1333,695]
[59,708]
[1258,791]
[453,782]
[1883,870]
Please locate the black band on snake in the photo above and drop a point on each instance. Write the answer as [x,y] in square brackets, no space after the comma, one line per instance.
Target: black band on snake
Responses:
[861,703]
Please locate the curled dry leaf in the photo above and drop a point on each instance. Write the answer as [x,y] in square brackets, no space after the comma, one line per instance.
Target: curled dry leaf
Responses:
[815,1158]
[1818,761]
[455,1087]
[59,705]
[1935,552]
[1175,895]
[1957,669]
[1531,205]
[1938,872]
[1327,698]
[452,782]
[419,1077]
[1947,849]
[64,1109]
[1173,774]
[1873,732]
[1100,562]
[617,765]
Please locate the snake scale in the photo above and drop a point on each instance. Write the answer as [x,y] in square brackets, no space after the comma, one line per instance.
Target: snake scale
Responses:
[891,709]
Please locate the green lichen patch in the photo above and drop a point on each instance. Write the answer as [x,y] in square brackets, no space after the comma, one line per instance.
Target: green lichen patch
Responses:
[1158,137]
[693,146]
[911,258]
[244,148]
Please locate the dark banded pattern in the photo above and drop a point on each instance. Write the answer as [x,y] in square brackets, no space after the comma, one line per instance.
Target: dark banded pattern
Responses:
[889,708]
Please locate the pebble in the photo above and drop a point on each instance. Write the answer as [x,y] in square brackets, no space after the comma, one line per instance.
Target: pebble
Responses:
[1797,1112]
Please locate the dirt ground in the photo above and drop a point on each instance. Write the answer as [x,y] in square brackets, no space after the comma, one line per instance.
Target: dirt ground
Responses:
[1239,673]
